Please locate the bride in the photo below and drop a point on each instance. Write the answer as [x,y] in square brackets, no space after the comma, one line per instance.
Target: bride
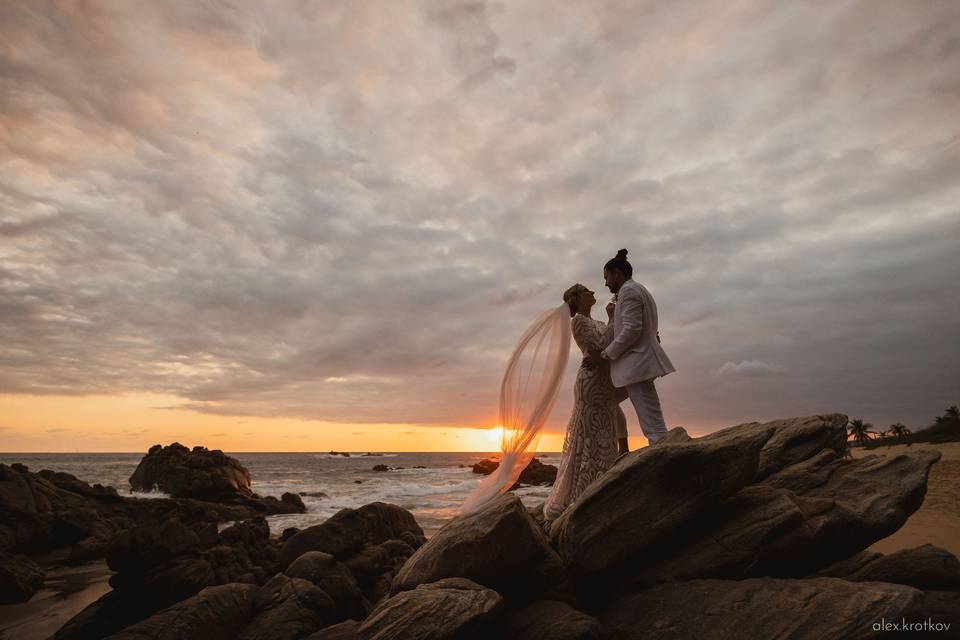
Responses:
[590,445]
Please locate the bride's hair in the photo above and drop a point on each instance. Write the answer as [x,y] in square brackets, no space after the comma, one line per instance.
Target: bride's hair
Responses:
[620,264]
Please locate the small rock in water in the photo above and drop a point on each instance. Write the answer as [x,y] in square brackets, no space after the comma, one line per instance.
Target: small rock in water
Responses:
[381,467]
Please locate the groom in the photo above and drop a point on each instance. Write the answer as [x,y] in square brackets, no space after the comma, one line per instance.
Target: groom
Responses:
[634,350]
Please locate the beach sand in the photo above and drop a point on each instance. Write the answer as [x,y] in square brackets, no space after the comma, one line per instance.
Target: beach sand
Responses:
[938,521]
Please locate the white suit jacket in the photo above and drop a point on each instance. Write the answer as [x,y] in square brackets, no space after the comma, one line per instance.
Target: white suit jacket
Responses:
[633,351]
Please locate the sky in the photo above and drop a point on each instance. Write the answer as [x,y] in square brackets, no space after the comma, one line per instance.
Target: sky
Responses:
[323,225]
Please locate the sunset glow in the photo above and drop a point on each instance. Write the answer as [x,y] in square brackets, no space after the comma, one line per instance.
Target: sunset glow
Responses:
[134,422]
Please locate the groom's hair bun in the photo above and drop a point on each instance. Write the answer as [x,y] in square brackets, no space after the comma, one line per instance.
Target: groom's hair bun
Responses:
[620,264]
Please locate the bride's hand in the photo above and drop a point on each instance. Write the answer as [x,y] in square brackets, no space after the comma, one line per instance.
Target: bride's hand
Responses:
[610,307]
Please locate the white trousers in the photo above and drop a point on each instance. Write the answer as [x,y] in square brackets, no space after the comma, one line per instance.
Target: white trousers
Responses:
[645,400]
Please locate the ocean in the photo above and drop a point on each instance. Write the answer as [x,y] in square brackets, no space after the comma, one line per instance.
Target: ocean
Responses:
[331,482]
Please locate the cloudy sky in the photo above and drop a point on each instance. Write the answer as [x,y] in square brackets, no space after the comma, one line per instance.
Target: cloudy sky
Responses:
[306,224]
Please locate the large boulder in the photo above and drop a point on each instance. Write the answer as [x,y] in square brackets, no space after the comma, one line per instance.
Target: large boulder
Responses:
[500,546]
[550,620]
[651,494]
[350,530]
[450,609]
[160,565]
[812,609]
[183,473]
[375,566]
[20,578]
[287,609]
[534,473]
[372,542]
[925,567]
[323,570]
[800,519]
[792,440]
[216,613]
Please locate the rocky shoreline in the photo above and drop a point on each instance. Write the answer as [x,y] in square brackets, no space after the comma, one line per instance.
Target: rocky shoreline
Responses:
[759,530]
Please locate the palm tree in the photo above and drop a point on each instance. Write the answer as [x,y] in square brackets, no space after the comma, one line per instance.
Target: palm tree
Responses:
[899,430]
[952,413]
[860,430]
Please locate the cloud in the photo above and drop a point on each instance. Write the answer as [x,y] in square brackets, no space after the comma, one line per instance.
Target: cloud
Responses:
[349,212]
[749,369]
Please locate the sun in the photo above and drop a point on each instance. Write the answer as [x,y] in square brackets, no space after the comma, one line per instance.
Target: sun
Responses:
[494,435]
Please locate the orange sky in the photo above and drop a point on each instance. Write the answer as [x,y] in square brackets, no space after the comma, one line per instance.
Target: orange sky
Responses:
[134,422]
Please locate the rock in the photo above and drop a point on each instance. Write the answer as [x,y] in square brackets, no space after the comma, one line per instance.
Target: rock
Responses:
[451,609]
[324,571]
[287,609]
[845,567]
[294,500]
[814,609]
[314,494]
[926,567]
[216,613]
[159,566]
[675,436]
[942,608]
[534,473]
[739,512]
[538,473]
[200,473]
[146,546]
[349,530]
[803,518]
[550,620]
[486,467]
[793,440]
[650,494]
[375,566]
[20,578]
[381,467]
[346,630]
[289,532]
[88,549]
[499,546]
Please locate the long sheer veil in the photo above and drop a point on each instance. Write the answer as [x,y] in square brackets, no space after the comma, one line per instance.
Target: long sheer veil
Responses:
[527,393]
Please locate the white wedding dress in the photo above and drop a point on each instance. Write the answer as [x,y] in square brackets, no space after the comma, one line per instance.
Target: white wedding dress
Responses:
[590,444]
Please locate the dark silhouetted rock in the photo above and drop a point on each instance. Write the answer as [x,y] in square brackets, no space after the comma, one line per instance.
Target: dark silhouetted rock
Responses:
[294,500]
[381,467]
[499,546]
[550,620]
[802,518]
[811,609]
[288,609]
[201,473]
[350,530]
[537,473]
[649,495]
[20,578]
[926,567]
[375,566]
[451,609]
[216,613]
[486,467]
[323,570]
